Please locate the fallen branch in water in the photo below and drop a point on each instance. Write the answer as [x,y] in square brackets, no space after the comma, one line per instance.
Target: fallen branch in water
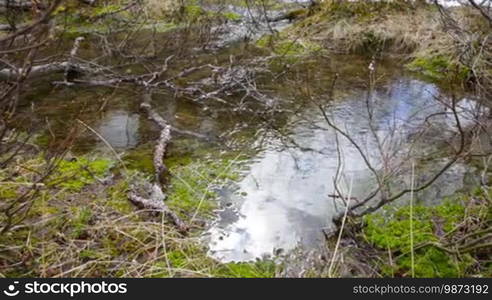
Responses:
[71,59]
[155,200]
[54,67]
[18,4]
[163,140]
[6,27]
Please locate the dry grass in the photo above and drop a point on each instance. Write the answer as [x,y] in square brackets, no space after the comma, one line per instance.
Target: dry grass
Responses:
[398,31]
[456,46]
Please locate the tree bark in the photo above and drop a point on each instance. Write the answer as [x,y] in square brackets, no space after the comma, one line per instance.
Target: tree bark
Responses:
[55,67]
[156,202]
[156,199]
[16,4]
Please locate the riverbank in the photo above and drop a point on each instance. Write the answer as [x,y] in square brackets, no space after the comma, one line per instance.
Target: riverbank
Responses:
[248,141]
[434,42]
[80,222]
[382,243]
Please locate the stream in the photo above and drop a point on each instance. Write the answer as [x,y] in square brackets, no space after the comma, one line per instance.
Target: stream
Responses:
[283,198]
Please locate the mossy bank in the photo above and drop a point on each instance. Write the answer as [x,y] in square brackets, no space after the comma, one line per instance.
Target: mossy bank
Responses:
[80,223]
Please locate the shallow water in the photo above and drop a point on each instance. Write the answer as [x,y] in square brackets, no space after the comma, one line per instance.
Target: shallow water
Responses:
[120,128]
[284,197]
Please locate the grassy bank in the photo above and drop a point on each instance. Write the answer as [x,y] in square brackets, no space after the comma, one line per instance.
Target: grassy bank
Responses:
[417,32]
[80,223]
[448,240]
[451,239]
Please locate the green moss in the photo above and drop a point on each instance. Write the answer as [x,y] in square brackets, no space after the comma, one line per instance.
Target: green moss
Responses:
[259,269]
[177,259]
[42,206]
[80,220]
[117,197]
[391,230]
[140,159]
[232,16]
[89,254]
[192,183]
[8,191]
[439,67]
[433,262]
[106,9]
[43,140]
[194,11]
[76,174]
